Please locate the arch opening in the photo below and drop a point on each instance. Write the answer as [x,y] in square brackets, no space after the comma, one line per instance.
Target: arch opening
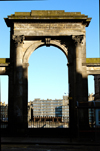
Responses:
[48,88]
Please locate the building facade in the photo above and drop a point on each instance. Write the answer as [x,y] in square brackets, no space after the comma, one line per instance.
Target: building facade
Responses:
[58,108]
[94,113]
[3,111]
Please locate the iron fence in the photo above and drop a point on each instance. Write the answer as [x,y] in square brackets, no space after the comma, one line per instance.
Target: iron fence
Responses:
[47,122]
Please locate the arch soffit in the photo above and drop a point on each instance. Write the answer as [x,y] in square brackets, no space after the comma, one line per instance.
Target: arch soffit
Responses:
[39,43]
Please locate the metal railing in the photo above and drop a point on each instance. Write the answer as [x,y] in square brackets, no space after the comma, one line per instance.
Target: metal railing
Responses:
[47,122]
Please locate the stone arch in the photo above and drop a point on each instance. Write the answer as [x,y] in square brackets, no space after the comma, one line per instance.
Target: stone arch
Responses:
[39,43]
[38,28]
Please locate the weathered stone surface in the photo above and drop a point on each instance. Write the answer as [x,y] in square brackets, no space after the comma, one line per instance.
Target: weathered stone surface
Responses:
[93,60]
[93,70]
[30,30]
[4,66]
[50,29]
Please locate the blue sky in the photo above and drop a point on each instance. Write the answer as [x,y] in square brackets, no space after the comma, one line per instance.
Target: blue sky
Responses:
[48,75]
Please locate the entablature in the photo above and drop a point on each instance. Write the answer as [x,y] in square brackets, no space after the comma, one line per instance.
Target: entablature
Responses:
[92,66]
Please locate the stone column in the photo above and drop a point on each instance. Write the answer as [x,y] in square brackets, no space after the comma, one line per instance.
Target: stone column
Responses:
[18,83]
[81,78]
[84,71]
[78,52]
[84,84]
[71,81]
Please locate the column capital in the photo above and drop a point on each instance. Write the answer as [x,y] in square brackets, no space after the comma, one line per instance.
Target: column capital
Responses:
[77,39]
[18,39]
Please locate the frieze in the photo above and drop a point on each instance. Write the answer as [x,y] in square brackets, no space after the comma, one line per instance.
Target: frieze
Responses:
[51,29]
[48,26]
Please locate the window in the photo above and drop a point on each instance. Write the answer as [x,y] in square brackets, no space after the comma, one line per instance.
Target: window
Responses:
[98,117]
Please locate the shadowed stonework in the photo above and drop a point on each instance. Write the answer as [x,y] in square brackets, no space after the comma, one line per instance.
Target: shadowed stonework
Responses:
[30,30]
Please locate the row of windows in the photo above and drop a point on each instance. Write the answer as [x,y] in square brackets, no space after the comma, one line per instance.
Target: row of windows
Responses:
[43,110]
[46,104]
[48,101]
[52,107]
[44,115]
[4,110]
[3,106]
[67,115]
[65,106]
[58,110]
[4,113]
[51,102]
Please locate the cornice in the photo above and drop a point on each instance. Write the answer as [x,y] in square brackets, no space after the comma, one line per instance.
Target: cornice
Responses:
[51,15]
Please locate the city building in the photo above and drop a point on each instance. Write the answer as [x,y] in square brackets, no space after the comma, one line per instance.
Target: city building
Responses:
[57,109]
[97,98]
[3,111]
[91,110]
[94,111]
